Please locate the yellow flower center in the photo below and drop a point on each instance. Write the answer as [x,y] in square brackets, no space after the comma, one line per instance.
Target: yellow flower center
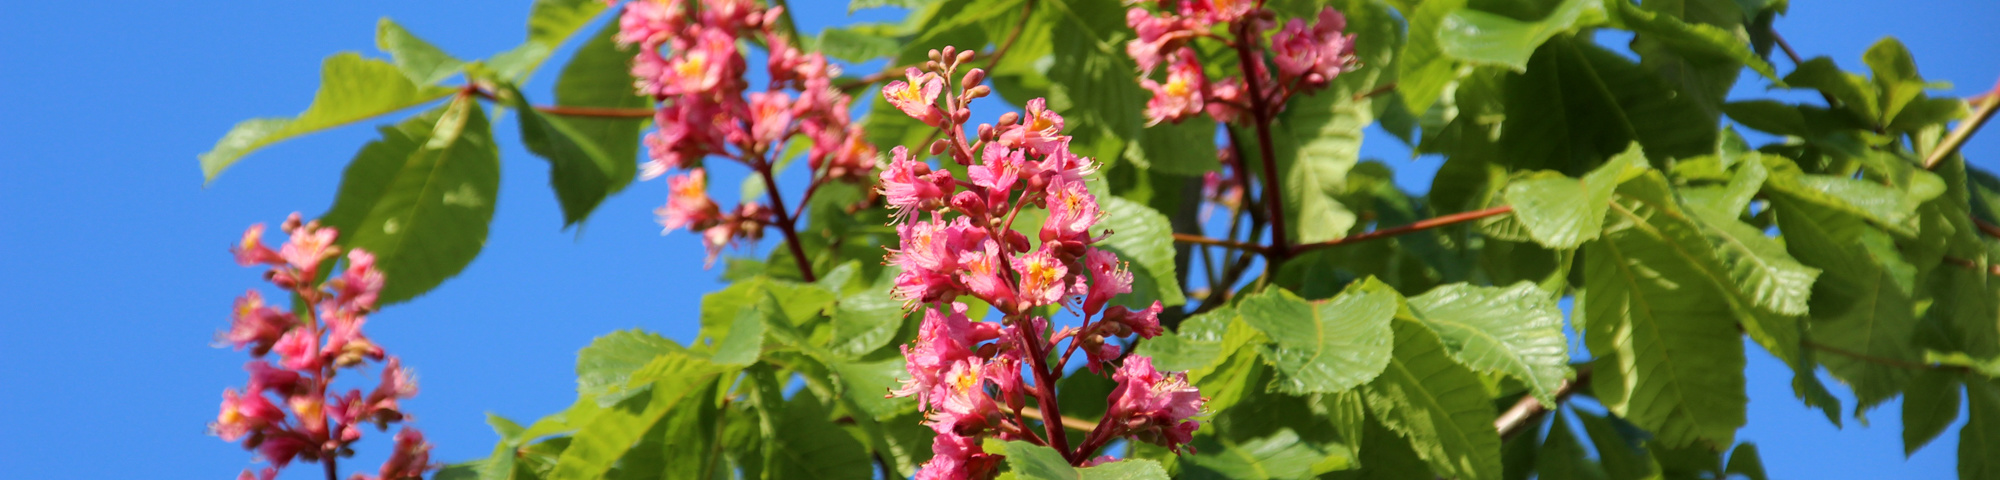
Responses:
[692,64]
[1041,274]
[231,416]
[1177,86]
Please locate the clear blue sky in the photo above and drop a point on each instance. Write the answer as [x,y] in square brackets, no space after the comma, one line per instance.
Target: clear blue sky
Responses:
[114,274]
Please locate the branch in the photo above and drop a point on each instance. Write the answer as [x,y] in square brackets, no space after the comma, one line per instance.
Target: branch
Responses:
[786,224]
[1246,39]
[1989,229]
[1201,240]
[1796,61]
[1526,412]
[600,112]
[1419,225]
[1985,106]
[1892,362]
[1071,423]
[993,60]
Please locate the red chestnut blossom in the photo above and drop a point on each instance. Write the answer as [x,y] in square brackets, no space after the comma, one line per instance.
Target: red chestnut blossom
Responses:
[687,203]
[307,421]
[1181,96]
[916,97]
[1161,404]
[967,246]
[1314,57]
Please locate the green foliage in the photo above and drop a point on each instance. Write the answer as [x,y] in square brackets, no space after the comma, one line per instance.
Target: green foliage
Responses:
[1393,356]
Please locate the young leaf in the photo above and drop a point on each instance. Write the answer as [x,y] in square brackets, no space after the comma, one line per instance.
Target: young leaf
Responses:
[422,62]
[421,197]
[1669,356]
[1929,405]
[1516,330]
[1324,347]
[351,89]
[609,361]
[1979,439]
[1035,462]
[1440,406]
[1480,37]
[810,445]
[1143,237]
[580,173]
[599,444]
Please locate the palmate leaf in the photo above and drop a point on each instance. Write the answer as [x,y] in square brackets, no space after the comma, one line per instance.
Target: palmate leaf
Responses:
[1930,404]
[1862,302]
[1481,37]
[1281,455]
[1561,212]
[1668,354]
[421,197]
[1979,439]
[1438,405]
[1422,69]
[607,364]
[589,158]
[1324,347]
[1579,104]
[1515,330]
[423,63]
[351,89]
[810,445]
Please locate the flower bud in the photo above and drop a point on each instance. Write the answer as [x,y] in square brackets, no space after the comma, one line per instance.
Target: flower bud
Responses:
[975,77]
[933,54]
[968,203]
[1009,118]
[937,147]
[985,131]
[979,91]
[965,56]
[949,52]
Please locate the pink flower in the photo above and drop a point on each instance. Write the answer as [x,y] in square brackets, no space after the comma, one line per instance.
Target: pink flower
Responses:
[1044,278]
[984,276]
[770,116]
[1181,96]
[956,457]
[1145,322]
[410,458]
[299,350]
[917,97]
[1218,11]
[360,285]
[704,67]
[1062,166]
[346,344]
[688,204]
[263,375]
[267,474]
[650,22]
[1072,211]
[251,250]
[256,325]
[1158,35]
[281,447]
[1223,98]
[942,340]
[1108,278]
[1040,130]
[910,184]
[244,414]
[308,246]
[998,171]
[961,400]
[1161,404]
[1317,56]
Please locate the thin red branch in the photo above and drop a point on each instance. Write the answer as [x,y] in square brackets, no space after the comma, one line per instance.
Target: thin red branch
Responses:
[1045,385]
[1413,227]
[1201,240]
[786,223]
[599,112]
[1796,61]
[1989,229]
[1260,113]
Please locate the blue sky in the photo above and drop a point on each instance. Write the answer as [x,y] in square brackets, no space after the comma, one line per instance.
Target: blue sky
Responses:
[115,277]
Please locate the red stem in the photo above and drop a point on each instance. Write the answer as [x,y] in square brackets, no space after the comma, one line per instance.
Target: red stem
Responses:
[1246,43]
[785,222]
[1045,386]
[1425,224]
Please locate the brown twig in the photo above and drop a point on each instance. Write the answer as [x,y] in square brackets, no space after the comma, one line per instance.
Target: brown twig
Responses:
[1985,108]
[1246,40]
[1385,88]
[1529,409]
[1989,229]
[786,223]
[600,112]
[1201,240]
[1796,61]
[1425,224]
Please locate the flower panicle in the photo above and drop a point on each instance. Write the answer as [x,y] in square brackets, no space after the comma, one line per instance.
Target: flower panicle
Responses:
[1308,57]
[689,62]
[958,242]
[289,410]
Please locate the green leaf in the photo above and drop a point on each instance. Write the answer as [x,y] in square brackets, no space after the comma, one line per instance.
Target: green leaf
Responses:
[1440,406]
[1853,91]
[1515,330]
[1745,461]
[1562,457]
[1696,41]
[1669,356]
[1142,236]
[597,446]
[550,23]
[1035,462]
[745,342]
[1197,345]
[1094,86]
[596,77]
[1281,455]
[608,363]
[1561,212]
[1422,70]
[1481,37]
[865,322]
[856,44]
[810,445]
[351,89]
[1619,447]
[1929,405]
[1979,439]
[1324,347]
[859,5]
[421,197]
[1186,148]
[581,174]
[422,62]
[1862,301]
[1580,104]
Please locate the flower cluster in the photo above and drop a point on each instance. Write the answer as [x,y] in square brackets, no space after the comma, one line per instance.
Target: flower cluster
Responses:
[1307,57]
[689,62]
[959,240]
[289,410]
